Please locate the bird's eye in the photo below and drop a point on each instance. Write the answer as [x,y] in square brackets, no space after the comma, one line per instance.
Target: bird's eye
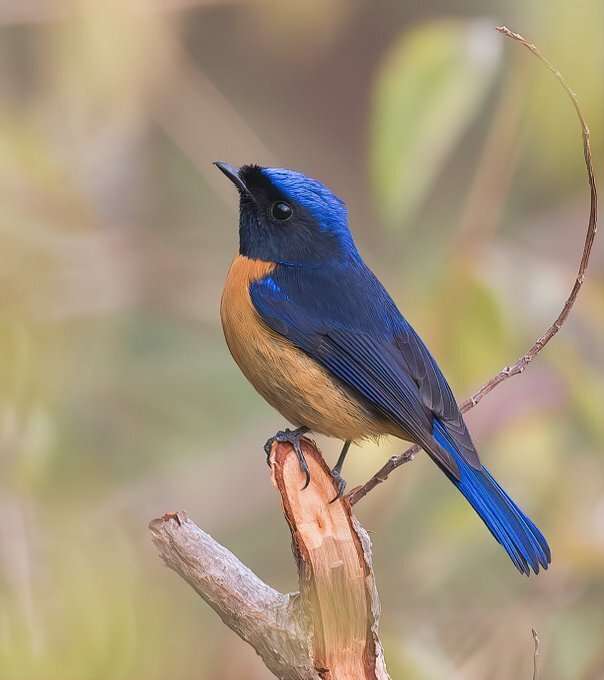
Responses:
[281,211]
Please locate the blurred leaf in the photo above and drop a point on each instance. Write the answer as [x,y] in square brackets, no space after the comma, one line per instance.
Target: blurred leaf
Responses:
[471,338]
[553,152]
[431,86]
[586,390]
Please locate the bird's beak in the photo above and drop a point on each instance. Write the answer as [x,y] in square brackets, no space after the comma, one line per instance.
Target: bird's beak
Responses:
[233,174]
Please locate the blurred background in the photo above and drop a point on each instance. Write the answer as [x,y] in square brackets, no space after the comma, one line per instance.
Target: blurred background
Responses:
[460,159]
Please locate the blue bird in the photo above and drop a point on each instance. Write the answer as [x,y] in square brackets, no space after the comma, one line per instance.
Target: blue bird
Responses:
[318,336]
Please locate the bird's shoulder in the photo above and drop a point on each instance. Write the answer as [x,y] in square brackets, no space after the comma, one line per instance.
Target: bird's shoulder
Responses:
[336,294]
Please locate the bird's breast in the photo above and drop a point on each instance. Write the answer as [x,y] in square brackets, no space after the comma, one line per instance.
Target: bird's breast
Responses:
[293,383]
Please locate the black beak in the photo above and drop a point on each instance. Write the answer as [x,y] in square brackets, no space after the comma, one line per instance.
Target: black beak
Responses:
[233,174]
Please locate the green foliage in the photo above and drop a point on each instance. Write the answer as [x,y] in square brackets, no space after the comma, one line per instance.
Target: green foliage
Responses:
[431,86]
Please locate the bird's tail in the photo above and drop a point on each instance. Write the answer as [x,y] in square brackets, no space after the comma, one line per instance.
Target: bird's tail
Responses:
[522,540]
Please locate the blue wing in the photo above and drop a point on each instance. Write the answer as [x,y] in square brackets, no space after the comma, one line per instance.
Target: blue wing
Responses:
[343,318]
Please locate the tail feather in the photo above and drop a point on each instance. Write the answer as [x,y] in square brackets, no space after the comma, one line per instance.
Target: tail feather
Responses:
[522,540]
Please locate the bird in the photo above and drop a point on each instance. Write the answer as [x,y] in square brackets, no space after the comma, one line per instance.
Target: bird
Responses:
[321,340]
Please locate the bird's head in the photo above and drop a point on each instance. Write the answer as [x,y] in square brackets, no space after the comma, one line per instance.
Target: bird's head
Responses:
[288,218]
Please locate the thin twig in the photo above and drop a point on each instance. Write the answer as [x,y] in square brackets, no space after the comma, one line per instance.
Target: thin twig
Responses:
[535,652]
[518,367]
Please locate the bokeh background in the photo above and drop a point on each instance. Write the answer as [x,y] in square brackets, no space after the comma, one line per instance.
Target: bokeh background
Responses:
[460,159]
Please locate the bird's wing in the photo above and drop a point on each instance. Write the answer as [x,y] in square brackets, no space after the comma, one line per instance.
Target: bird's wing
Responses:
[434,389]
[343,318]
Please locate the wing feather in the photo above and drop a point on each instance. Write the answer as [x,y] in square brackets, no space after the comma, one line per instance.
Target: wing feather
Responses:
[345,320]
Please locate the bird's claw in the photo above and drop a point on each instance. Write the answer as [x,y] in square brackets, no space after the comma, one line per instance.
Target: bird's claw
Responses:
[292,437]
[340,483]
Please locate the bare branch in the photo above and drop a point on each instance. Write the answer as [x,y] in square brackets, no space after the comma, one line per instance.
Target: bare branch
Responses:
[259,614]
[518,367]
[329,628]
[536,643]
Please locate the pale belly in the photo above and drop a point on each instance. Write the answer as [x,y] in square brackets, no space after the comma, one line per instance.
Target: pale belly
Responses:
[299,388]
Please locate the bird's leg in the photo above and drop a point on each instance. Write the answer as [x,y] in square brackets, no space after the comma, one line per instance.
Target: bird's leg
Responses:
[336,472]
[291,437]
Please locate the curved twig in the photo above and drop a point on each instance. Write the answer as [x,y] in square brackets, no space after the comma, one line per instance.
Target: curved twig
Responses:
[518,367]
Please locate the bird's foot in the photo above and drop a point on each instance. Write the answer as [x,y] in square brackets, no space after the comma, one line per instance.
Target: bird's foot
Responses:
[340,484]
[336,472]
[292,437]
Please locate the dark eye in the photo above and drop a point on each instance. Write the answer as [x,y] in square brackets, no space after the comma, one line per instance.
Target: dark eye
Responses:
[281,211]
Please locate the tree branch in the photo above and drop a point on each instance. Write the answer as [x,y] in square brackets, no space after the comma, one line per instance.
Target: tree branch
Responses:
[326,631]
[518,367]
[259,614]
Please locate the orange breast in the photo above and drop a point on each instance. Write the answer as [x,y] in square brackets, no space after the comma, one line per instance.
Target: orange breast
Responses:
[293,383]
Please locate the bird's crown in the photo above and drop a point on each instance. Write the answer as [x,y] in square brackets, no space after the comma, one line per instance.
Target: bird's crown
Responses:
[287,217]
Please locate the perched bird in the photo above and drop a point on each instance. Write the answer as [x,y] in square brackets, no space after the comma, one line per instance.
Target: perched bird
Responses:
[318,336]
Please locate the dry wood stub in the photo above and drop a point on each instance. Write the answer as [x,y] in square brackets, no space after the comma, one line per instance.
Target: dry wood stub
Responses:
[327,631]
[334,564]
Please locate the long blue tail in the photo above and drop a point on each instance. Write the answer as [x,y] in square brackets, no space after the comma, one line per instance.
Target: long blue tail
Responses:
[522,540]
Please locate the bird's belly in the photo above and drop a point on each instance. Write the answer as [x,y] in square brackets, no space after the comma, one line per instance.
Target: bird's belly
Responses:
[293,383]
